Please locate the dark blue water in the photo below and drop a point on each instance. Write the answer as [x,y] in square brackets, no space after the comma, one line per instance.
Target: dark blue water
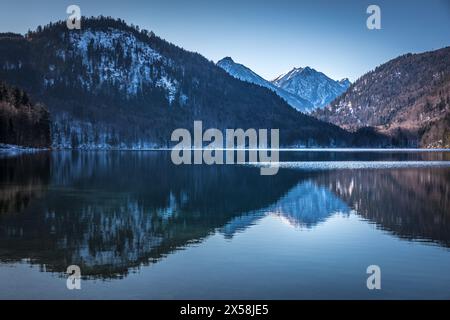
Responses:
[140,227]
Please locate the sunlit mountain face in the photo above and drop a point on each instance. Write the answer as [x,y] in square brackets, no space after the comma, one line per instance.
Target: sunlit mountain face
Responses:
[305,89]
[406,98]
[243,73]
[312,85]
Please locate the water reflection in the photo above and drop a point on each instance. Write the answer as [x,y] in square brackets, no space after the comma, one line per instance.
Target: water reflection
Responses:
[110,212]
[21,180]
[305,205]
[411,203]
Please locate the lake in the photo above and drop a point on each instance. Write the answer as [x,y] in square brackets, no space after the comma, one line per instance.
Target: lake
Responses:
[140,227]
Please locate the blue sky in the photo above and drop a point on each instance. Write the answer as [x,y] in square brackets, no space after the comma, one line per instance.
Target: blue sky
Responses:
[269,36]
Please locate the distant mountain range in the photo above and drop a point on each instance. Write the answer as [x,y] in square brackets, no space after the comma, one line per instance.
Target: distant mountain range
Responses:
[243,73]
[305,89]
[407,99]
[110,85]
[312,85]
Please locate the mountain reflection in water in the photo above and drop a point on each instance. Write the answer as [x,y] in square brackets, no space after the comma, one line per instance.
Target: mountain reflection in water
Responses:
[111,212]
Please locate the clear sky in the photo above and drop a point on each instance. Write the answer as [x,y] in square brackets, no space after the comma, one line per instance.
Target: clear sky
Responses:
[269,36]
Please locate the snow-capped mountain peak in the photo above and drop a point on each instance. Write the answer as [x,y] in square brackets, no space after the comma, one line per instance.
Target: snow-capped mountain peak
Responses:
[304,88]
[243,73]
[112,85]
[312,85]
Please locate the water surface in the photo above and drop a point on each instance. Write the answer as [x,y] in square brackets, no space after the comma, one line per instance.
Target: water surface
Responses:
[140,227]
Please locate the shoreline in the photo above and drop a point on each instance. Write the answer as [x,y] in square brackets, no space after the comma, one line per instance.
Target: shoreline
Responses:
[15,149]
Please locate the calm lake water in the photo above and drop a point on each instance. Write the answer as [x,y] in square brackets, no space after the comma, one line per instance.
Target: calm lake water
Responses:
[140,227]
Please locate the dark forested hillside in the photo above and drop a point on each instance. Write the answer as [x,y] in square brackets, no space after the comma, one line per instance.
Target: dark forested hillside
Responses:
[114,85]
[407,98]
[21,122]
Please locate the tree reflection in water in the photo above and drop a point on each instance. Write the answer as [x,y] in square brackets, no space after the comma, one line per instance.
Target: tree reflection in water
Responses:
[110,212]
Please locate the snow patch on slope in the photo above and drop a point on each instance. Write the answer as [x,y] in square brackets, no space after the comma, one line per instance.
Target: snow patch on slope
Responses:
[135,68]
